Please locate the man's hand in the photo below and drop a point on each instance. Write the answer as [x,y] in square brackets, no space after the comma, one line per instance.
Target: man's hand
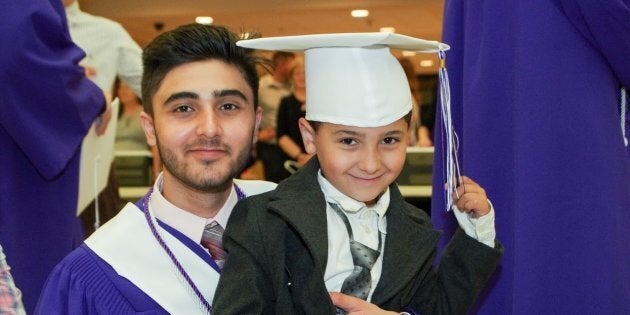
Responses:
[103,120]
[472,198]
[90,72]
[355,306]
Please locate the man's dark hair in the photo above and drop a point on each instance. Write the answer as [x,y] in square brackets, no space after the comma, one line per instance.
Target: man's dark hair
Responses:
[190,43]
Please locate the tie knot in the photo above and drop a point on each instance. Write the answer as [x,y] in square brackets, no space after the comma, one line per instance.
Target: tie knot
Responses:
[212,240]
[213,226]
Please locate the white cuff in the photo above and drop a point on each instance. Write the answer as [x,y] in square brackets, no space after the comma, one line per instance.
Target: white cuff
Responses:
[481,229]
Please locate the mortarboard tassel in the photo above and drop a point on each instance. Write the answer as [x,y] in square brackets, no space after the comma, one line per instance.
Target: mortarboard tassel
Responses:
[450,141]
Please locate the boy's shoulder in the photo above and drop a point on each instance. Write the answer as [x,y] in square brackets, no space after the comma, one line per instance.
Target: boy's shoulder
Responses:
[416,214]
[254,187]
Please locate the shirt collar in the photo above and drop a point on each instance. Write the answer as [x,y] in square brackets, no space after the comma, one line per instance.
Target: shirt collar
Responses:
[185,222]
[349,205]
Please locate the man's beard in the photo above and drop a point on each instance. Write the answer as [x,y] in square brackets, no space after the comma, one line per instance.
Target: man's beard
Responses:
[210,179]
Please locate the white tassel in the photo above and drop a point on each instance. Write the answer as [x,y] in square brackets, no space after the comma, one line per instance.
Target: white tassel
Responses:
[450,140]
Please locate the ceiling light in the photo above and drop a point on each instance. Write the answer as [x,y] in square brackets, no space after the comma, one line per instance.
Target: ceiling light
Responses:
[360,13]
[408,53]
[204,20]
[388,29]
[426,63]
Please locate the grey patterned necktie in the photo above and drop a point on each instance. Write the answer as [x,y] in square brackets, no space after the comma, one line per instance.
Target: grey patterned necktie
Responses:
[359,282]
[212,239]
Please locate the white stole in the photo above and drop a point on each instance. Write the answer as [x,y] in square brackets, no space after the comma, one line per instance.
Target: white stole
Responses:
[127,244]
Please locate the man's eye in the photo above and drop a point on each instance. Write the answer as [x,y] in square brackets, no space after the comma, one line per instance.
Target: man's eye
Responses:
[229,106]
[183,108]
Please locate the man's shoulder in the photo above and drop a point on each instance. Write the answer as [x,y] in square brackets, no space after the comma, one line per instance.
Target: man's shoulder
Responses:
[84,283]
[80,268]
[82,259]
[94,23]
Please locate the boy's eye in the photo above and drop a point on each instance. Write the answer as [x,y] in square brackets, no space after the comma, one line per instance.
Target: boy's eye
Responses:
[390,140]
[347,141]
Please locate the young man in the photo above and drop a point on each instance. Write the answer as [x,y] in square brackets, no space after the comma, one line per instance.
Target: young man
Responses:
[340,224]
[200,111]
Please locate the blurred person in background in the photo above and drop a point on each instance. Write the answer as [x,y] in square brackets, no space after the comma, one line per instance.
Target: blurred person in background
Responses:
[48,106]
[292,108]
[273,87]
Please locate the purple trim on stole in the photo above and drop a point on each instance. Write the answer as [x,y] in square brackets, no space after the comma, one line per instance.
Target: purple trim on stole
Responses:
[194,247]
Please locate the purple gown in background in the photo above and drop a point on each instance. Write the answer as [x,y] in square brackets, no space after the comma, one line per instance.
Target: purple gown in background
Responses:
[535,96]
[46,107]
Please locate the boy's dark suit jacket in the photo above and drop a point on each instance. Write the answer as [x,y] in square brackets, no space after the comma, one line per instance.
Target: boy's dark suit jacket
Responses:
[277,252]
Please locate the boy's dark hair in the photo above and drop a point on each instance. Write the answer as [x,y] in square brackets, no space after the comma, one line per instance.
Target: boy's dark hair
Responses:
[315,124]
[190,43]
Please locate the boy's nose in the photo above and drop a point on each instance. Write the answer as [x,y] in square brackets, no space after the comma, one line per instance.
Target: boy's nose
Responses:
[371,161]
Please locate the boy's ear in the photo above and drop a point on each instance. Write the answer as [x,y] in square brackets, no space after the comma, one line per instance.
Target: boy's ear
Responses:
[308,136]
[149,128]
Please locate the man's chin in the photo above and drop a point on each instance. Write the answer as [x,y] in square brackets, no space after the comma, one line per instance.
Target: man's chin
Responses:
[212,184]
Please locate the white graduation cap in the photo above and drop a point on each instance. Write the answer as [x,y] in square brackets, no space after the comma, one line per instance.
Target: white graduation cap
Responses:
[352,78]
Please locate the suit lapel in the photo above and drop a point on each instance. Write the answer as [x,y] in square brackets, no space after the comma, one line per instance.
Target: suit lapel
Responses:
[300,201]
[406,244]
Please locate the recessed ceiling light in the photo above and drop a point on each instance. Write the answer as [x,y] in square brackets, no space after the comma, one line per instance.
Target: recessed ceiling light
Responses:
[388,29]
[408,53]
[426,63]
[204,20]
[360,13]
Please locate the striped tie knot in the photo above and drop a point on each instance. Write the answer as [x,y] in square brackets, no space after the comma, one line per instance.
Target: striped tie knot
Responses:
[212,239]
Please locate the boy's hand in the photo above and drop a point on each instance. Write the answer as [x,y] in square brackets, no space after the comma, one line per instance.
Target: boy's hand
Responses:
[472,198]
[355,306]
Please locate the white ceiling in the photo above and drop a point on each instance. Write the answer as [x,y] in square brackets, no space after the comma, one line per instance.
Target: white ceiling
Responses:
[417,18]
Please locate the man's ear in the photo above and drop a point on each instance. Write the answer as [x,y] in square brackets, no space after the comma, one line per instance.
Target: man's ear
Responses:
[149,128]
[308,136]
[259,115]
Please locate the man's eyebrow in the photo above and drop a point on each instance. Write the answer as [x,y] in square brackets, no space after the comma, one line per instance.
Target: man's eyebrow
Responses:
[181,95]
[232,92]
[215,93]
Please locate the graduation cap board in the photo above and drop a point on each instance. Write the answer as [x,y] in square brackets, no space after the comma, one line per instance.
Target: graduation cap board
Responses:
[353,79]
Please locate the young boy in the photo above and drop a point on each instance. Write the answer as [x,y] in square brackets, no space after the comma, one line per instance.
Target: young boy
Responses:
[340,224]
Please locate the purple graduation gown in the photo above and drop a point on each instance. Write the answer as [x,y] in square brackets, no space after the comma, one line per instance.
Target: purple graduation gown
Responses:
[46,107]
[535,96]
[83,283]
